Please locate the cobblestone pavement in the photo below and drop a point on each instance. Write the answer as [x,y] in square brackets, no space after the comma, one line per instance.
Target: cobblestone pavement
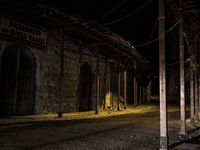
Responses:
[135,128]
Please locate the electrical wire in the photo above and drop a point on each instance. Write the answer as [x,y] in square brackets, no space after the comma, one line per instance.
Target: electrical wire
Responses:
[172,27]
[172,64]
[122,18]
[157,37]
[151,34]
[153,29]
[111,11]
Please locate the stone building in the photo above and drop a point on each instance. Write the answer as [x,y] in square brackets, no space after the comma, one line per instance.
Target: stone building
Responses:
[55,62]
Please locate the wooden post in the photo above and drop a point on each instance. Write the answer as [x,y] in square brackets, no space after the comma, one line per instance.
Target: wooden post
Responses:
[143,94]
[134,82]
[136,92]
[191,86]
[182,72]
[198,75]
[112,102]
[134,86]
[162,78]
[140,92]
[118,84]
[105,82]
[119,76]
[196,79]
[97,81]
[78,91]
[17,80]
[125,84]
[61,72]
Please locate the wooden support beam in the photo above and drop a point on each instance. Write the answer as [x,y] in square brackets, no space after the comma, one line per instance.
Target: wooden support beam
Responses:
[112,101]
[196,96]
[118,102]
[119,86]
[143,95]
[140,96]
[134,88]
[198,73]
[97,80]
[87,34]
[136,92]
[191,85]
[125,86]
[162,78]
[80,51]
[61,72]
[105,82]
[183,130]
[17,80]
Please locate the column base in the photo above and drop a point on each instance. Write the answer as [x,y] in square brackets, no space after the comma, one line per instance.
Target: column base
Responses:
[96,111]
[59,115]
[192,122]
[197,117]
[183,132]
[164,143]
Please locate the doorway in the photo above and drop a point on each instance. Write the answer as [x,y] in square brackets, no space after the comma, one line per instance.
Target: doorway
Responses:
[17,81]
[85,87]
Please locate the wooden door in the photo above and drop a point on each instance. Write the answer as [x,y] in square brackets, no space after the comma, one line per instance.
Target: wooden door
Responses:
[85,88]
[17,81]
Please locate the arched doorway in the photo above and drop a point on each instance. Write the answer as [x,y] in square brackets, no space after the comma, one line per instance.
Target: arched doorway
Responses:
[17,81]
[85,88]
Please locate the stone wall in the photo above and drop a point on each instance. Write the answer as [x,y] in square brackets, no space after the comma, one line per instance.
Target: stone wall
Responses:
[75,55]
[70,76]
[48,78]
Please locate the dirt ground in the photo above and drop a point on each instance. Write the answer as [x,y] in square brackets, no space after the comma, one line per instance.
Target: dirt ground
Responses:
[135,128]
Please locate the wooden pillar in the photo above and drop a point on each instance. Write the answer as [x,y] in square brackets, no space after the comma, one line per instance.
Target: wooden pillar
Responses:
[136,92]
[125,86]
[140,92]
[196,79]
[198,73]
[17,81]
[118,101]
[105,82]
[134,83]
[191,86]
[80,62]
[182,72]
[61,72]
[162,78]
[119,76]
[134,89]
[112,101]
[143,95]
[97,81]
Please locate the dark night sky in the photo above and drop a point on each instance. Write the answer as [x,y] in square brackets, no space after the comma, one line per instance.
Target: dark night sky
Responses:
[136,28]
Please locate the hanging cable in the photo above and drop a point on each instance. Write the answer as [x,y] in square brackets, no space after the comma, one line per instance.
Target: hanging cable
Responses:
[122,18]
[157,38]
[172,27]
[172,64]
[151,34]
[147,43]
[111,11]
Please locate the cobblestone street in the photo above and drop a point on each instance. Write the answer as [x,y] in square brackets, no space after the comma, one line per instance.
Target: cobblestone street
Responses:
[133,128]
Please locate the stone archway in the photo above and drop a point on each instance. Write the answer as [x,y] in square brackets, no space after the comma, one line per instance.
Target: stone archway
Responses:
[85,87]
[17,81]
